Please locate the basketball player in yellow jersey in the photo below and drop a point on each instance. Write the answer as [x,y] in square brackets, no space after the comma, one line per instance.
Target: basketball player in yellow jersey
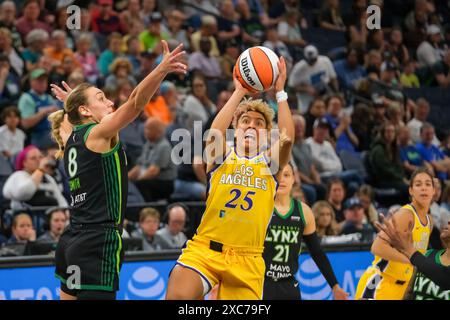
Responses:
[389,276]
[228,244]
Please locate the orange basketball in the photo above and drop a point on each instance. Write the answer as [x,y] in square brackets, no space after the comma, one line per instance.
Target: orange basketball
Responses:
[257,69]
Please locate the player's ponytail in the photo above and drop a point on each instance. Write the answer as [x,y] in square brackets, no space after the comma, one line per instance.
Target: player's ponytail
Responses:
[56,118]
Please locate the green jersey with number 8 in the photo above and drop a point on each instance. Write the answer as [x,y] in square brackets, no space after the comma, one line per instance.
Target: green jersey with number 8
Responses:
[98,181]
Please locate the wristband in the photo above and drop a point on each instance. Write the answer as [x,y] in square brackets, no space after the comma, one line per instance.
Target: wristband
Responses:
[281,96]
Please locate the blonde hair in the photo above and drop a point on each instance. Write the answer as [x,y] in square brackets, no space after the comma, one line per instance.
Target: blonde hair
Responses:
[257,105]
[18,217]
[119,62]
[76,98]
[330,230]
[149,212]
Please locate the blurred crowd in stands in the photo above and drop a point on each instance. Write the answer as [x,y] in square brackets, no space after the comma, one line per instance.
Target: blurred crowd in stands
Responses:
[359,134]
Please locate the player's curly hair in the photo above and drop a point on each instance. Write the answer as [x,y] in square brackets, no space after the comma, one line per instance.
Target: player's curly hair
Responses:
[257,105]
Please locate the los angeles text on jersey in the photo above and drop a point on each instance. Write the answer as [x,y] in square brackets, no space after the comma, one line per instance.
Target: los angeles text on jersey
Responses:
[244,176]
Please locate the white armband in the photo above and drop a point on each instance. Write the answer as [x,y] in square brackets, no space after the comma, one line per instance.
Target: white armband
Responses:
[281,96]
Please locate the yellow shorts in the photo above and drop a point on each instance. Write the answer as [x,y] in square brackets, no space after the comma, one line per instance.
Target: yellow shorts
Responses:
[375,285]
[240,270]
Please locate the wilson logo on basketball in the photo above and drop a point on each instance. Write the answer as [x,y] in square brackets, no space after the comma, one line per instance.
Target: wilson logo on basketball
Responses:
[246,70]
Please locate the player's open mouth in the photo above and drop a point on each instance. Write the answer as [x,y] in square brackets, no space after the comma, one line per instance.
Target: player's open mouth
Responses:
[250,136]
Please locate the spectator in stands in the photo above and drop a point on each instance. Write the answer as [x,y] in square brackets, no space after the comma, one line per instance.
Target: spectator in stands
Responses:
[7,48]
[416,23]
[149,219]
[86,58]
[36,40]
[191,180]
[301,153]
[335,197]
[208,30]
[362,125]
[439,212]
[354,220]
[228,59]
[198,106]
[441,71]
[157,108]
[154,173]
[133,54]
[12,138]
[107,57]
[445,200]
[22,229]
[57,49]
[421,111]
[328,163]
[148,62]
[365,194]
[395,115]
[290,34]
[151,37]
[105,20]
[356,23]
[408,78]
[274,43]
[29,20]
[330,16]
[85,28]
[384,158]
[8,21]
[176,222]
[326,224]
[64,70]
[203,61]
[174,29]
[133,139]
[350,70]
[431,153]
[31,183]
[120,70]
[373,65]
[316,109]
[311,77]
[375,41]
[445,145]
[228,22]
[429,52]
[56,219]
[132,13]
[10,85]
[148,7]
[35,105]
[251,24]
[400,54]
[341,125]
[409,154]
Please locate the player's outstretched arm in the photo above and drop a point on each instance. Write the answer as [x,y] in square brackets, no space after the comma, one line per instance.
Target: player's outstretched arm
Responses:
[318,255]
[110,125]
[222,122]
[285,121]
[381,245]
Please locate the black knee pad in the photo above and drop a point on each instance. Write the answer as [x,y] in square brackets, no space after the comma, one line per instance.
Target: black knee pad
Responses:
[96,295]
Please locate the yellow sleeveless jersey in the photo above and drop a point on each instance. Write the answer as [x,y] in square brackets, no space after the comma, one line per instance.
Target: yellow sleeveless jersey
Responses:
[241,193]
[421,235]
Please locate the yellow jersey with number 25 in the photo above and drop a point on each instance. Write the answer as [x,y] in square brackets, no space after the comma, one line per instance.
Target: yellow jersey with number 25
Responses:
[240,201]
